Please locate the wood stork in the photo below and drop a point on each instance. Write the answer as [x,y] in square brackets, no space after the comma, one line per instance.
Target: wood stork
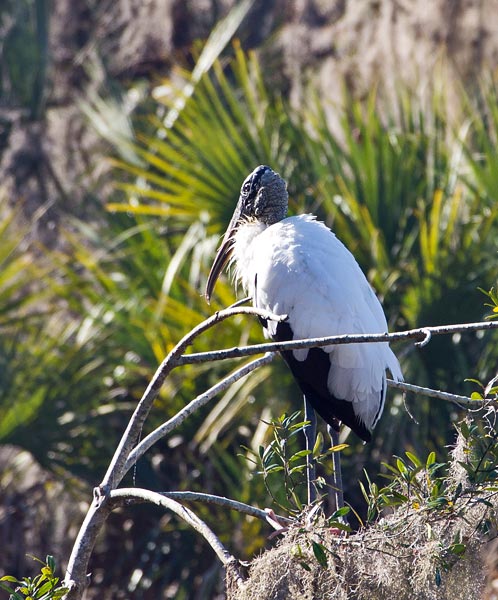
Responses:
[296,266]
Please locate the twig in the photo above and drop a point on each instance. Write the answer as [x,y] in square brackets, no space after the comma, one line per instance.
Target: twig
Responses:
[455,398]
[422,334]
[225,502]
[240,302]
[139,495]
[191,407]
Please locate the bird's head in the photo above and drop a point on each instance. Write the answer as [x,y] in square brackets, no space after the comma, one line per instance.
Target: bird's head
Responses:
[263,197]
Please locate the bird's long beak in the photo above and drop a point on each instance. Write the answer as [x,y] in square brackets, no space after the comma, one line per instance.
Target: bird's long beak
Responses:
[224,253]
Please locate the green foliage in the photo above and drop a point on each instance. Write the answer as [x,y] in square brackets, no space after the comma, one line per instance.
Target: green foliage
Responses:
[281,457]
[407,486]
[493,304]
[448,491]
[44,586]
[18,289]
[488,391]
[481,455]
[22,295]
[482,153]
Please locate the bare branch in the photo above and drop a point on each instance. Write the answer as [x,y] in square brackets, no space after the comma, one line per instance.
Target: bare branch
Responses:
[422,335]
[191,407]
[116,469]
[76,578]
[463,401]
[125,455]
[225,502]
[76,574]
[139,495]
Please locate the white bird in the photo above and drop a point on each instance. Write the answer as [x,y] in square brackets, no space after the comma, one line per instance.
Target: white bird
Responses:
[296,266]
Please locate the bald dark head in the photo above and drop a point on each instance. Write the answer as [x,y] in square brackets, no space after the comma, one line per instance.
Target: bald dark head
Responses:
[263,196]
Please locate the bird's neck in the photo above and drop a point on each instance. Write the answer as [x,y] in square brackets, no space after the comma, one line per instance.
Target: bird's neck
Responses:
[246,240]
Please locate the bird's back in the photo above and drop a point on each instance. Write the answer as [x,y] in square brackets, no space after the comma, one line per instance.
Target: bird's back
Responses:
[298,267]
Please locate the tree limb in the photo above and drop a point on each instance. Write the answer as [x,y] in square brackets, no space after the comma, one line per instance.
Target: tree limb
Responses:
[455,398]
[77,577]
[139,495]
[116,469]
[76,574]
[191,407]
[422,334]
[226,502]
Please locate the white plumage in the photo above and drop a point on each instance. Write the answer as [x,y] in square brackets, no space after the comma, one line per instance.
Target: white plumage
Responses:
[296,266]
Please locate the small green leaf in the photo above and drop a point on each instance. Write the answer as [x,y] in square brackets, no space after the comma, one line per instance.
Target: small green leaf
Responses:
[317,448]
[431,459]
[274,469]
[476,381]
[401,466]
[45,588]
[485,502]
[437,503]
[464,430]
[458,549]
[398,496]
[320,555]
[415,460]
[390,468]
[297,469]
[338,448]
[364,491]
[300,454]
[341,512]
[341,526]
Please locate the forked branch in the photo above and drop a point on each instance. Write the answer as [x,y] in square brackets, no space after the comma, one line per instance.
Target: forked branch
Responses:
[127,453]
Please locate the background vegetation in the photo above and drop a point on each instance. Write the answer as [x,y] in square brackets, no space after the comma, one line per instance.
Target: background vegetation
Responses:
[85,322]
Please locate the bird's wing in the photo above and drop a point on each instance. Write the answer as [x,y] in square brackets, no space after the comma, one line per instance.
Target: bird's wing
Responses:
[304,271]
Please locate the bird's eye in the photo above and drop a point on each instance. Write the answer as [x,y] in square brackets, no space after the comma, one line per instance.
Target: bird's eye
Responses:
[246,187]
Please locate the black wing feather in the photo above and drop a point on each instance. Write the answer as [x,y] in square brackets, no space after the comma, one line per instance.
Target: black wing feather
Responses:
[312,375]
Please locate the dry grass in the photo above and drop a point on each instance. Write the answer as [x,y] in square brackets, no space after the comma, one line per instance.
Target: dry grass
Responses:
[385,561]
[407,555]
